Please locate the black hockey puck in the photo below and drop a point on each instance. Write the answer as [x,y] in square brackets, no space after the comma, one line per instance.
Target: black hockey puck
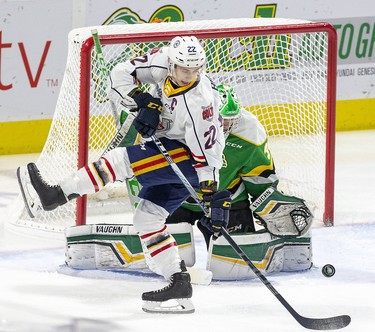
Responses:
[328,270]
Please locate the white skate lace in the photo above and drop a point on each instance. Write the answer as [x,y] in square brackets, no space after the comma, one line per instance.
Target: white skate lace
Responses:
[166,287]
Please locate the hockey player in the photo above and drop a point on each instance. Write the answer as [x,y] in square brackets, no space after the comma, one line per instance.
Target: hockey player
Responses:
[185,116]
[248,171]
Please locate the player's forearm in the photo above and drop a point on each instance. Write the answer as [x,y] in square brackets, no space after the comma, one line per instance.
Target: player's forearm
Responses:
[208,173]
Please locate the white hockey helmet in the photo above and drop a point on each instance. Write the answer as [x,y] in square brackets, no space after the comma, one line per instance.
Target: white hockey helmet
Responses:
[186,52]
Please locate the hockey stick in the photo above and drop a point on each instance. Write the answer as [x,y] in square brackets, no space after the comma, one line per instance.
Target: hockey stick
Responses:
[330,323]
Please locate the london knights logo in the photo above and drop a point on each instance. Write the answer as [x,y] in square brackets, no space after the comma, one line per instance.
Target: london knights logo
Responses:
[171,13]
[258,52]
[168,13]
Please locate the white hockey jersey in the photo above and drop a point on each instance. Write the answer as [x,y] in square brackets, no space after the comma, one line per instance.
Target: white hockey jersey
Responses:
[190,113]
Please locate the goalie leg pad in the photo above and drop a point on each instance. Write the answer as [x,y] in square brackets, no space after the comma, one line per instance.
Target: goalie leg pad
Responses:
[117,247]
[268,253]
[282,215]
[297,255]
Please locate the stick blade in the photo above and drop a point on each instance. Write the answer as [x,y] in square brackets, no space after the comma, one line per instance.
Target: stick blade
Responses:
[331,323]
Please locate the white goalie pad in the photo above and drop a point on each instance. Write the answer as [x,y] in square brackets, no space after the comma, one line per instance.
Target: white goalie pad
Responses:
[117,246]
[268,253]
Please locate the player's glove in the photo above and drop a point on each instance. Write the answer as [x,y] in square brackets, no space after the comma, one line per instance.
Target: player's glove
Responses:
[145,100]
[219,204]
[148,117]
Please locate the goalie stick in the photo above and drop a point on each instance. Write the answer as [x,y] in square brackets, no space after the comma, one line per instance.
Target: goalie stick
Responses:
[330,323]
[104,70]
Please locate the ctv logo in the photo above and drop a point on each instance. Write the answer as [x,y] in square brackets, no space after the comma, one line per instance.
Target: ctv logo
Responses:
[32,74]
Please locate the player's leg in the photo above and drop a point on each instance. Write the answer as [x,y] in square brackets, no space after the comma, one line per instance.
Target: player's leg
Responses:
[89,179]
[161,250]
[162,193]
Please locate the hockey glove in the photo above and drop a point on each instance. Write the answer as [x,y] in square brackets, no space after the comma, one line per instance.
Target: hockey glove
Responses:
[147,122]
[145,100]
[281,214]
[220,204]
[148,116]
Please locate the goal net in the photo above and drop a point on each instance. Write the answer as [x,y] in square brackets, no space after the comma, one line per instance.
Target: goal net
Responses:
[283,70]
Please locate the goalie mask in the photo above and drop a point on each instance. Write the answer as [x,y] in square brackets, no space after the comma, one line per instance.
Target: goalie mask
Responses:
[230,108]
[186,59]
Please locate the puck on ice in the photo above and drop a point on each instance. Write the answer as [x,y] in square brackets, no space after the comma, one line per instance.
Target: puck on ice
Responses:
[328,270]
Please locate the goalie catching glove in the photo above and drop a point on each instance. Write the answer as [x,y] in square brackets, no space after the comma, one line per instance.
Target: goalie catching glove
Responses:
[219,204]
[148,117]
[282,215]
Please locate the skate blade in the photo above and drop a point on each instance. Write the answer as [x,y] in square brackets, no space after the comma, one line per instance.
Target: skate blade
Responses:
[174,306]
[30,197]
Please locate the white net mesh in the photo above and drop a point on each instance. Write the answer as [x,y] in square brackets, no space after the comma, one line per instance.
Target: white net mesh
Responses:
[280,77]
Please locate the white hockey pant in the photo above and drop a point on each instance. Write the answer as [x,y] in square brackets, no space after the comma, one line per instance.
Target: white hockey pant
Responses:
[159,247]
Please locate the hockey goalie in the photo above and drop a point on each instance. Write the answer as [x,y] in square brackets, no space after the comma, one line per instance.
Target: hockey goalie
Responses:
[283,243]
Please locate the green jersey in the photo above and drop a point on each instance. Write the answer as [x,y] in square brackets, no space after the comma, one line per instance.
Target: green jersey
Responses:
[248,167]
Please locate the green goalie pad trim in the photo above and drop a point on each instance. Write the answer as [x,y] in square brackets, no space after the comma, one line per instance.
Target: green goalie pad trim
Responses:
[131,242]
[257,251]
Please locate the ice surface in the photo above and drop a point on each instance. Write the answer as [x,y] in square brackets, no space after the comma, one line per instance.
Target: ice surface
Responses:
[37,293]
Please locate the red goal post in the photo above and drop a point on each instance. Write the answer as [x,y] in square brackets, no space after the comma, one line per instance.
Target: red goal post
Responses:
[283,70]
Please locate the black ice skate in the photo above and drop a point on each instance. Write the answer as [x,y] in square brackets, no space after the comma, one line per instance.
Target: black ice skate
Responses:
[45,197]
[172,299]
